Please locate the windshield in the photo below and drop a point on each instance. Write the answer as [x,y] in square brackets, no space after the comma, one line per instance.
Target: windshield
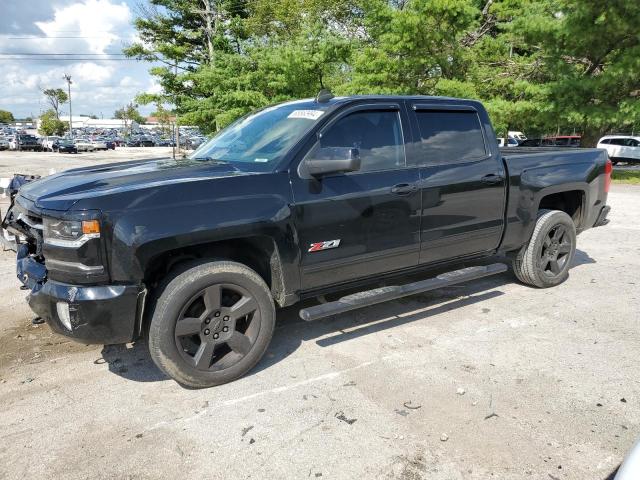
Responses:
[258,141]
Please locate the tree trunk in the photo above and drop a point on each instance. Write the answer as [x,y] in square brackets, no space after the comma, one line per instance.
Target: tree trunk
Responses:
[211,25]
[591,135]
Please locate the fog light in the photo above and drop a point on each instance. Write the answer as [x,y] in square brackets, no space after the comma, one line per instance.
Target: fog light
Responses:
[63,314]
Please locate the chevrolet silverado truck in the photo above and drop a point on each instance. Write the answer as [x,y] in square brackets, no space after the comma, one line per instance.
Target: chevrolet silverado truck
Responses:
[292,202]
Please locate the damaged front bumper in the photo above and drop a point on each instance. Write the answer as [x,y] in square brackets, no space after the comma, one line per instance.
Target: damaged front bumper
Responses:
[103,314]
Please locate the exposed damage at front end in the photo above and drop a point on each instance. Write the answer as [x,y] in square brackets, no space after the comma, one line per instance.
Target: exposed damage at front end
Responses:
[67,277]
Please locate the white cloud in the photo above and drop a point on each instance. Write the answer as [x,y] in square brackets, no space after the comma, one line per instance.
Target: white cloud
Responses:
[104,26]
[101,23]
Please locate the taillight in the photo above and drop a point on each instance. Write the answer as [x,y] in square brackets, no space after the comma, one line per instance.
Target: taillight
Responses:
[608,169]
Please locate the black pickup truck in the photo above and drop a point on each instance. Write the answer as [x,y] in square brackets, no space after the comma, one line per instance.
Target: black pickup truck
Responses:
[291,202]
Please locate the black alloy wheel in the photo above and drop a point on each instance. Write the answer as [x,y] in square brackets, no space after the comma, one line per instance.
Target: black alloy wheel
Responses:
[211,322]
[555,251]
[217,327]
[545,260]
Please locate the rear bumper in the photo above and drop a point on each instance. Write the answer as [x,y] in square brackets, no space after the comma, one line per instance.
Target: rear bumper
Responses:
[602,216]
[106,314]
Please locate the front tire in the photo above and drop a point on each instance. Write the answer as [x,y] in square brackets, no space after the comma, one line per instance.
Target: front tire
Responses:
[211,323]
[544,262]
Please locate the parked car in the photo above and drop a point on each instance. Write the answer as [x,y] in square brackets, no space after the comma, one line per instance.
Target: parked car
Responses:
[99,144]
[192,143]
[50,143]
[4,144]
[66,146]
[297,200]
[512,142]
[24,141]
[110,144]
[84,145]
[630,467]
[621,148]
[570,141]
[518,136]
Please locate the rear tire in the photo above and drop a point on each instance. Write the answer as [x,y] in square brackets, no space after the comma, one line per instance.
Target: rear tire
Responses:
[545,261]
[211,323]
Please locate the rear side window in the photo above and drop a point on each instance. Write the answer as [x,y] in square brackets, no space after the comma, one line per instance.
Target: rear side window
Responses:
[618,141]
[449,136]
[606,141]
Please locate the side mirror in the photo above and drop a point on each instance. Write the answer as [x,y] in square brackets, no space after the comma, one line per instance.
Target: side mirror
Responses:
[332,160]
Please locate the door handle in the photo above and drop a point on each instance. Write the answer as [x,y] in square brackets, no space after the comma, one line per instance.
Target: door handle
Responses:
[492,179]
[404,189]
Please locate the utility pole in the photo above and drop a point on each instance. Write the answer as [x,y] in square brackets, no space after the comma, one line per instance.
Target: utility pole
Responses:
[67,77]
[177,136]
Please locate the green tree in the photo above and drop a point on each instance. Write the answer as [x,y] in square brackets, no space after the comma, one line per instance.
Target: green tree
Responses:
[51,125]
[6,116]
[129,113]
[164,117]
[540,66]
[55,97]
[591,53]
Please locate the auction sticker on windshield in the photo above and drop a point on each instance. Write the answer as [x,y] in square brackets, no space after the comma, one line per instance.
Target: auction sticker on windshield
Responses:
[308,114]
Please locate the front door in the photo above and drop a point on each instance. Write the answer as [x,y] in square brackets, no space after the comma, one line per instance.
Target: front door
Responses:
[358,224]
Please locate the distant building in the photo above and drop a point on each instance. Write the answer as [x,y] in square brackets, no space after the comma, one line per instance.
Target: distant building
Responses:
[155,121]
[87,122]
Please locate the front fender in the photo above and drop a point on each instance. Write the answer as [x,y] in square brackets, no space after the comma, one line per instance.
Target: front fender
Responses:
[230,211]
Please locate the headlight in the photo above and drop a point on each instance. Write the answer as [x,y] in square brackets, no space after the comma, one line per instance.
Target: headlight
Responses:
[69,233]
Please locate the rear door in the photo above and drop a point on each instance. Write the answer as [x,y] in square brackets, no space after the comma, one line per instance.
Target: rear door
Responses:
[461,181]
[632,149]
[358,224]
[617,148]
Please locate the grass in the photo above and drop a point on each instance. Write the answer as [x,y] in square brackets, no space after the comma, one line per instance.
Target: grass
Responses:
[631,177]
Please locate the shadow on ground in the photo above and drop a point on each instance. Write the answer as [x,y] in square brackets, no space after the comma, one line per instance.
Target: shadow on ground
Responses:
[134,362]
[131,361]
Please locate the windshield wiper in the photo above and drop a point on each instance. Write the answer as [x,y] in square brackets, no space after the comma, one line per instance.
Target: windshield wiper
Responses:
[212,160]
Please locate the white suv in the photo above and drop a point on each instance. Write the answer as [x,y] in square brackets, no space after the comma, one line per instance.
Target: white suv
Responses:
[621,148]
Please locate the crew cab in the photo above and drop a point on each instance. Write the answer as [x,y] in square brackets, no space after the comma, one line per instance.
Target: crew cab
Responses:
[292,202]
[22,141]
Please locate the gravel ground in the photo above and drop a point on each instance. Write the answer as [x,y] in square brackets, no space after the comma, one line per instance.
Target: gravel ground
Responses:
[488,380]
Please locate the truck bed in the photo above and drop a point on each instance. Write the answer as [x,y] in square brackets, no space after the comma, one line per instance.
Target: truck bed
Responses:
[517,151]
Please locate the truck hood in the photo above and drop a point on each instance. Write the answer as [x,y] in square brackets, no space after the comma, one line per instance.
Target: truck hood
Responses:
[61,190]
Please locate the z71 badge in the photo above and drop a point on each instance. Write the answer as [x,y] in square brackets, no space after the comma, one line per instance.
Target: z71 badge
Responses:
[316,247]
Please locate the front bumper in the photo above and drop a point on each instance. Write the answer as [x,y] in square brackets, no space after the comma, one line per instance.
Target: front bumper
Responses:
[107,314]
[104,314]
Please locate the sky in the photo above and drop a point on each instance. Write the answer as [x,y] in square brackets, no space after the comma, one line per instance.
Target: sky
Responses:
[86,28]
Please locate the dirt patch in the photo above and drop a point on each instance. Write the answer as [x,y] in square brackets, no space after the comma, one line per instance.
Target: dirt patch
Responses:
[28,344]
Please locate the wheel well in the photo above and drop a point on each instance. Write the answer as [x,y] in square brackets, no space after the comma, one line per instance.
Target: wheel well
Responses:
[258,253]
[570,202]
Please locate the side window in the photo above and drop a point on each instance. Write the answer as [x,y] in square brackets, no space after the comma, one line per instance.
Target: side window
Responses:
[618,141]
[634,143]
[449,136]
[606,141]
[376,134]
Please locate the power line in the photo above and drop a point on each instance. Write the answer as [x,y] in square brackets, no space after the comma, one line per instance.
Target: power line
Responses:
[39,37]
[71,54]
[72,59]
